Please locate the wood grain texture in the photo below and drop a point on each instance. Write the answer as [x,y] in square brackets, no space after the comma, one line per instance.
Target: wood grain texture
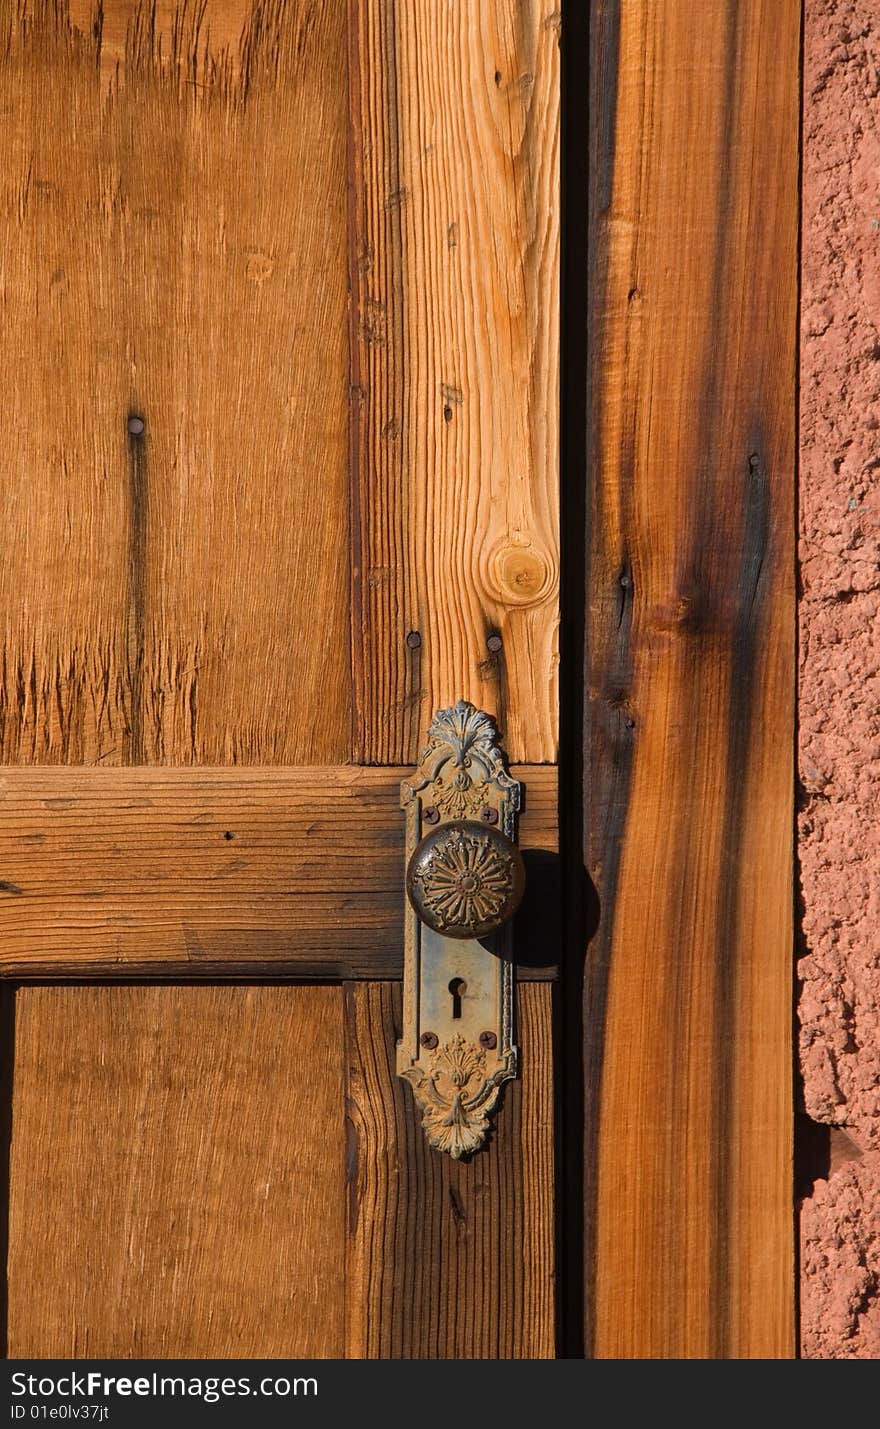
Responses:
[447,1260]
[693,253]
[213,31]
[174,252]
[167,1182]
[454,251]
[221,872]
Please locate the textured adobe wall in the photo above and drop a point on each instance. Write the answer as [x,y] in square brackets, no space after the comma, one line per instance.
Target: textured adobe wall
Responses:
[840,673]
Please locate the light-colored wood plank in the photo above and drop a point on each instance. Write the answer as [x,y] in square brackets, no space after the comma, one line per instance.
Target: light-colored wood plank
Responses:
[454,257]
[221,872]
[174,251]
[693,252]
[176,1182]
[446,1259]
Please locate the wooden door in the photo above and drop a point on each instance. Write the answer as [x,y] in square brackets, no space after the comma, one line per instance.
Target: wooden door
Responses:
[280,329]
[280,472]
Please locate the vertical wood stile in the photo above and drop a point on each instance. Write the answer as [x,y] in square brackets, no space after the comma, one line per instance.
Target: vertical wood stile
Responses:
[454,256]
[447,1259]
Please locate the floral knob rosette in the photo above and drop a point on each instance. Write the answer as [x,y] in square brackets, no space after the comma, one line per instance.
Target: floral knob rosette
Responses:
[465,880]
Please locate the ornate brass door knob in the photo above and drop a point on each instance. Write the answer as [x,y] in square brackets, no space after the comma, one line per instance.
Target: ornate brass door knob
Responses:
[464,881]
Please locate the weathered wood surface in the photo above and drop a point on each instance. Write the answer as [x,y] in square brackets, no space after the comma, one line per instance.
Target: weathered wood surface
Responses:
[181,595]
[176,1177]
[174,252]
[206,565]
[207,41]
[693,253]
[445,1259]
[174,1154]
[454,254]
[221,872]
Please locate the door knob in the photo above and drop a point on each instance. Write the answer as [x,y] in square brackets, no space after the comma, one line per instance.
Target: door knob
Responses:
[464,881]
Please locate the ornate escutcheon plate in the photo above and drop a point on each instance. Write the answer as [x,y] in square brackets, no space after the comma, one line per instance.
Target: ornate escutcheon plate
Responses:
[464,881]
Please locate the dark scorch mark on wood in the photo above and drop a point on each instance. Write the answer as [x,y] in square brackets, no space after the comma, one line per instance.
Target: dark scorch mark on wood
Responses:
[138,517]
[610,596]
[730,588]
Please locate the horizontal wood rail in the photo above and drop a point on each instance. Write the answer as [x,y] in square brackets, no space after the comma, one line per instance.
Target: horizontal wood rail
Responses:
[228,873]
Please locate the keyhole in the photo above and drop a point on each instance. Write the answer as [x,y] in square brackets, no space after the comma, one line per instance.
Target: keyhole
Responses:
[458,988]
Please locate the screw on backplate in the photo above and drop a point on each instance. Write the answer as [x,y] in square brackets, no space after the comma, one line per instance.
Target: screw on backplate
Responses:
[488,1040]
[488,815]
[431,815]
[429,1040]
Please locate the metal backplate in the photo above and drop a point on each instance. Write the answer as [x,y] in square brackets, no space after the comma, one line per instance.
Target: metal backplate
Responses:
[457,1047]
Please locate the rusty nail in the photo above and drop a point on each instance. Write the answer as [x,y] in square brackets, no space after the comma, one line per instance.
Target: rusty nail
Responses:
[489,815]
[431,815]
[429,1040]
[413,640]
[488,1040]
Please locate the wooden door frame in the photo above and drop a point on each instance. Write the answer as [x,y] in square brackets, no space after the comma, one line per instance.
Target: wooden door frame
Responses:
[681,1204]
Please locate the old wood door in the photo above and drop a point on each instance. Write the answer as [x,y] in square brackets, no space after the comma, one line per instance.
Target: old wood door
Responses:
[280,472]
[280,459]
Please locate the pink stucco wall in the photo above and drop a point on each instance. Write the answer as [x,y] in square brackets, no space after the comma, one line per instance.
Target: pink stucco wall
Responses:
[839,758]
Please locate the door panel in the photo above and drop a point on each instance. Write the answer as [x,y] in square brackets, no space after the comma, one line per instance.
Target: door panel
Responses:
[176,1183]
[175,252]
